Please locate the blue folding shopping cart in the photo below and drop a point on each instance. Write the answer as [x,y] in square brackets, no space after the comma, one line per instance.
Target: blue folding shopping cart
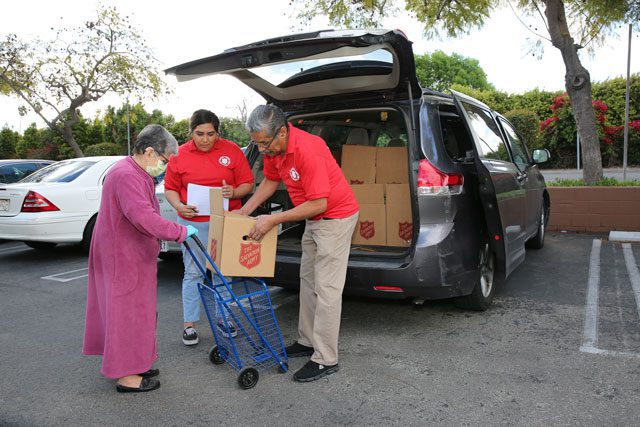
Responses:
[243,323]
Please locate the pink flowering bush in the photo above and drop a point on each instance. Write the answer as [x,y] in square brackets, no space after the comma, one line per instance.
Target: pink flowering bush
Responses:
[559,135]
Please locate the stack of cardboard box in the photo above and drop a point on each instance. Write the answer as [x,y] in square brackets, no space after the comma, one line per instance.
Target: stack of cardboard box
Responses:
[379,177]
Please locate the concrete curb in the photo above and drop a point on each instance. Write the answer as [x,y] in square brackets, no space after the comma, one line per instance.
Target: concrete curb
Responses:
[624,236]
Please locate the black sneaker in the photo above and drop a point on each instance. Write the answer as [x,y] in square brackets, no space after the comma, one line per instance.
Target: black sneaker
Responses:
[189,336]
[313,371]
[223,330]
[298,350]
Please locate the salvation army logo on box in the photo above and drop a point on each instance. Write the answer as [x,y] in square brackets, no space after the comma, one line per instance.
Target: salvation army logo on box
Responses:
[224,160]
[367,229]
[214,248]
[249,254]
[294,174]
[356,181]
[405,230]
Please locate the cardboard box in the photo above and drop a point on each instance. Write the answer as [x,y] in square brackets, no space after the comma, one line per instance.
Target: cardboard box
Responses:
[359,164]
[398,215]
[230,247]
[392,165]
[371,228]
[369,194]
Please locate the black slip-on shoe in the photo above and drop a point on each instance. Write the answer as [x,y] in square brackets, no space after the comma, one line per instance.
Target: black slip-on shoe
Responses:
[298,350]
[314,371]
[147,384]
[150,373]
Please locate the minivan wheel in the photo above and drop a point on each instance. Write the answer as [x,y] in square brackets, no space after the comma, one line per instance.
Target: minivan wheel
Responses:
[482,295]
[537,241]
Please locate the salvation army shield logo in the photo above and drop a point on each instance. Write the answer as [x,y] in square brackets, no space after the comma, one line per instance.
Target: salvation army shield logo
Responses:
[405,230]
[249,254]
[294,174]
[224,160]
[367,229]
[214,249]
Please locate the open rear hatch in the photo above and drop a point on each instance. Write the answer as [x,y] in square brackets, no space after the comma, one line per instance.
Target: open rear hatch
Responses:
[306,68]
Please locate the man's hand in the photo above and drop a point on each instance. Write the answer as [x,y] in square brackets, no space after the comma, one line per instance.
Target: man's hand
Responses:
[264,224]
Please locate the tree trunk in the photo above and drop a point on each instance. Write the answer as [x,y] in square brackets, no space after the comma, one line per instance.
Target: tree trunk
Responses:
[67,134]
[578,85]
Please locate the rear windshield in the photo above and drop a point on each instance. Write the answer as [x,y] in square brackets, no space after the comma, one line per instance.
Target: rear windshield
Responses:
[64,171]
[293,73]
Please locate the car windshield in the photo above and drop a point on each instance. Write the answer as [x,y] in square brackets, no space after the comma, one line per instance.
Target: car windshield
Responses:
[64,171]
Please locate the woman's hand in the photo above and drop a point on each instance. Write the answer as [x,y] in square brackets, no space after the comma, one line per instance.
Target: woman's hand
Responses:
[227,190]
[187,211]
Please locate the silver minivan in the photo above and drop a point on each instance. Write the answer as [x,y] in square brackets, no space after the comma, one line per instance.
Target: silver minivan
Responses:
[477,196]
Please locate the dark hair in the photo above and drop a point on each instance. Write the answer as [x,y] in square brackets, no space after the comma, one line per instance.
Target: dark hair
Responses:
[156,137]
[201,117]
[268,118]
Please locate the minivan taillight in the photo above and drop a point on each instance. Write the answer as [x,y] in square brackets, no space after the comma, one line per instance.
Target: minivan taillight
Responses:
[434,182]
[34,202]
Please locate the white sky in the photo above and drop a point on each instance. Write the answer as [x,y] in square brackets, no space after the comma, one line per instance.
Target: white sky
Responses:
[183,31]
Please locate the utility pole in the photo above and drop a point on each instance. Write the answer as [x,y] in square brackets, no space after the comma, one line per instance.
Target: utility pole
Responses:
[626,113]
[128,131]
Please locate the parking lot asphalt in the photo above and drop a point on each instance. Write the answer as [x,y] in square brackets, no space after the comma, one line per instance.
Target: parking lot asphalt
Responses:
[560,346]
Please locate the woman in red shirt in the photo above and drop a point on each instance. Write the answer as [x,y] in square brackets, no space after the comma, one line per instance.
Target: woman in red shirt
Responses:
[207,159]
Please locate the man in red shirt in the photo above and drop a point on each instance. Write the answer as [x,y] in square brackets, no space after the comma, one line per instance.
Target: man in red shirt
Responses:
[322,197]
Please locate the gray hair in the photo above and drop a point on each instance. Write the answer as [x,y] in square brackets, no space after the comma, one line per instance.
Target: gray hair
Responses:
[156,137]
[268,118]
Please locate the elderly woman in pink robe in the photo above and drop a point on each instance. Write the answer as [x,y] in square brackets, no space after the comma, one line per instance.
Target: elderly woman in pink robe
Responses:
[121,294]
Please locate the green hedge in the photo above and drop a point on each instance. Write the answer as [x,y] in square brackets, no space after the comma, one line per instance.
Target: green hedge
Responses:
[103,149]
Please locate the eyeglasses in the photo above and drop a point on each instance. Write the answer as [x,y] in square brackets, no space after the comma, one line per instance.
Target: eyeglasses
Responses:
[266,145]
[164,159]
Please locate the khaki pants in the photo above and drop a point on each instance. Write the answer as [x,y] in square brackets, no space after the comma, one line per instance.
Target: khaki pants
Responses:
[323,268]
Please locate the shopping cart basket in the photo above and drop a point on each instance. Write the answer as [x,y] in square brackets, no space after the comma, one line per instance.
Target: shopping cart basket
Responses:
[243,323]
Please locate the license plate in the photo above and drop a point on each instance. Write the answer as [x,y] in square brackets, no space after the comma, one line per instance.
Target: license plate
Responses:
[4,205]
[164,246]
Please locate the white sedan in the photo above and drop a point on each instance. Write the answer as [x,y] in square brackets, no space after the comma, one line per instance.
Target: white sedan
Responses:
[57,204]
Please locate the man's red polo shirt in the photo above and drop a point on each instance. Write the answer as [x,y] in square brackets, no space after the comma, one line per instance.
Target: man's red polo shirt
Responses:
[310,172]
[224,161]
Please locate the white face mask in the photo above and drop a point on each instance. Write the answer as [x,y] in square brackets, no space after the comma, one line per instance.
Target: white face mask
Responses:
[158,169]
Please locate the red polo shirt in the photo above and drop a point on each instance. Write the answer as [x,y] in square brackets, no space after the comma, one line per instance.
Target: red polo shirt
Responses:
[224,161]
[310,172]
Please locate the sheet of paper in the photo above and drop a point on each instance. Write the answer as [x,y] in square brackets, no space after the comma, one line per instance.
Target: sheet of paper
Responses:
[198,196]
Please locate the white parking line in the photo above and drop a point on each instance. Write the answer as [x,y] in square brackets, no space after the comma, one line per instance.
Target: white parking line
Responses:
[14,248]
[632,270]
[60,277]
[590,334]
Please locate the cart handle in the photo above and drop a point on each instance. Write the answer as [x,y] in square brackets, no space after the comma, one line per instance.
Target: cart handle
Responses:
[199,243]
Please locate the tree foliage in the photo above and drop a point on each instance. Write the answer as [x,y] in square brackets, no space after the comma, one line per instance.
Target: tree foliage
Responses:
[440,71]
[570,25]
[78,65]
[8,141]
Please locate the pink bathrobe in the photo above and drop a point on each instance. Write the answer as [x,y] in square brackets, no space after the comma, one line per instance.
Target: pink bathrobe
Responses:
[121,294]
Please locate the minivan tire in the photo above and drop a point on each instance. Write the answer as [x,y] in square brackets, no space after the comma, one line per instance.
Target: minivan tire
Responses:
[481,297]
[537,241]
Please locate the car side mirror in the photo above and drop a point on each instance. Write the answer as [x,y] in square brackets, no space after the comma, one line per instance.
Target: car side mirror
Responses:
[541,155]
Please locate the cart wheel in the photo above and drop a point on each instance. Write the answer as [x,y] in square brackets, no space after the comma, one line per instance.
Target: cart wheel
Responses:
[284,368]
[248,378]
[214,356]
